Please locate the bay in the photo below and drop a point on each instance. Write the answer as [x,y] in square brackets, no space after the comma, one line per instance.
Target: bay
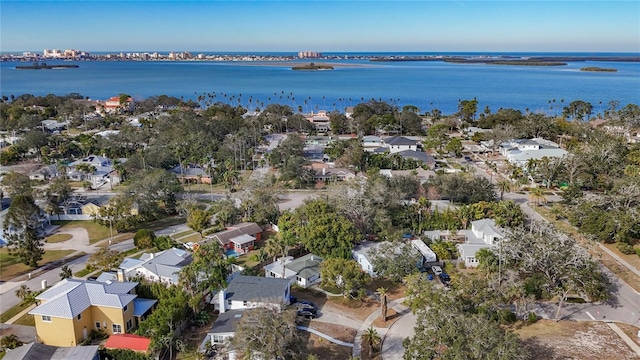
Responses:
[425,84]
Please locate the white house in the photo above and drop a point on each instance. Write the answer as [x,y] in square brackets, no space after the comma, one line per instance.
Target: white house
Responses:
[519,152]
[483,235]
[305,270]
[246,292]
[361,254]
[400,143]
[224,328]
[162,266]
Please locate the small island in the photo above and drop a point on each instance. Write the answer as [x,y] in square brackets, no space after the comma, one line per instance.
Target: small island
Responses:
[598,69]
[37,66]
[312,66]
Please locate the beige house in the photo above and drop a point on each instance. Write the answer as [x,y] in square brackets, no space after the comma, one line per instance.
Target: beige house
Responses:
[68,311]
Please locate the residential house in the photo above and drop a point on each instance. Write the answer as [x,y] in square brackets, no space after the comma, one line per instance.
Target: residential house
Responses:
[327,174]
[305,271]
[102,170]
[237,239]
[371,142]
[192,173]
[45,173]
[38,351]
[519,152]
[113,105]
[361,253]
[483,235]
[420,156]
[397,144]
[224,328]
[131,342]
[246,292]
[421,174]
[54,126]
[162,266]
[320,120]
[69,310]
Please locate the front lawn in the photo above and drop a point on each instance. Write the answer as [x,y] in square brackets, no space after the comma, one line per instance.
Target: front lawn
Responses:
[5,316]
[57,238]
[11,267]
[96,231]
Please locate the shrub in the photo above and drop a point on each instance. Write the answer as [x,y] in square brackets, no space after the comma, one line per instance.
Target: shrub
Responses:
[144,239]
[625,248]
[506,316]
[532,318]
[638,252]
[10,342]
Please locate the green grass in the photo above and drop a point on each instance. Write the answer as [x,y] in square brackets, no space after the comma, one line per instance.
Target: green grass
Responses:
[184,233]
[26,320]
[5,316]
[11,267]
[160,223]
[58,238]
[96,231]
[82,273]
[193,238]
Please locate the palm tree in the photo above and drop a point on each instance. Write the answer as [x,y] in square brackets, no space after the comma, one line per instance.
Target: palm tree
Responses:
[503,186]
[23,292]
[383,303]
[371,338]
[537,196]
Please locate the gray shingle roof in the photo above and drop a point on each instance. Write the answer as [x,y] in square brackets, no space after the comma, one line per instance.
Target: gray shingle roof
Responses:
[487,226]
[71,297]
[226,322]
[248,288]
[38,351]
[400,141]
[306,266]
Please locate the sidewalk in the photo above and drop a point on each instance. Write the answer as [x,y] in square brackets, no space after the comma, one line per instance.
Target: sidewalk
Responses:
[632,344]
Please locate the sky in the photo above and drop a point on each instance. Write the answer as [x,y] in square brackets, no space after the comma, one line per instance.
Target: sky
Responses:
[324,26]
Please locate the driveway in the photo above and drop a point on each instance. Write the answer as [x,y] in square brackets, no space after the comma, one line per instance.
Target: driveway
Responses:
[392,348]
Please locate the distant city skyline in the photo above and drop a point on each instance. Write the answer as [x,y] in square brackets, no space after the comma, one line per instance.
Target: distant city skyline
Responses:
[323,26]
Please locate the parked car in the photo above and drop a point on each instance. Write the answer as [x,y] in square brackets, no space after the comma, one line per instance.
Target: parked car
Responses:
[305,307]
[468,158]
[305,302]
[445,279]
[307,313]
[437,270]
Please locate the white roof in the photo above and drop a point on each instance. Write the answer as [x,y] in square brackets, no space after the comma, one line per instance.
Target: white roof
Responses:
[71,297]
[426,251]
[488,227]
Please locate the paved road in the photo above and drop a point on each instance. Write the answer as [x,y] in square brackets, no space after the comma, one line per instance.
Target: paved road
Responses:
[392,348]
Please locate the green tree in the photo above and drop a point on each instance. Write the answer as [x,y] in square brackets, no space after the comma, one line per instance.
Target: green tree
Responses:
[65,272]
[205,275]
[455,146]
[372,339]
[17,184]
[503,186]
[577,110]
[21,230]
[324,232]
[144,238]
[467,109]
[104,259]
[24,293]
[198,219]
[345,275]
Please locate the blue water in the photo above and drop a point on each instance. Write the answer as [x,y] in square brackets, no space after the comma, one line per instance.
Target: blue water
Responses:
[426,85]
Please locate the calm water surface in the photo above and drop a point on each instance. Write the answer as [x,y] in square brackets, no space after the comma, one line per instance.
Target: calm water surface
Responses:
[424,84]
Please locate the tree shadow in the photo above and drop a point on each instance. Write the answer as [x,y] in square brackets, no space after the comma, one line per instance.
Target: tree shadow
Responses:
[538,350]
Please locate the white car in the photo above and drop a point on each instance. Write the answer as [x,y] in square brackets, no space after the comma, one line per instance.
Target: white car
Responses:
[437,270]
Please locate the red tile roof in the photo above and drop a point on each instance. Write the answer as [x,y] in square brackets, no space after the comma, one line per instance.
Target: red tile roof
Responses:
[129,342]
